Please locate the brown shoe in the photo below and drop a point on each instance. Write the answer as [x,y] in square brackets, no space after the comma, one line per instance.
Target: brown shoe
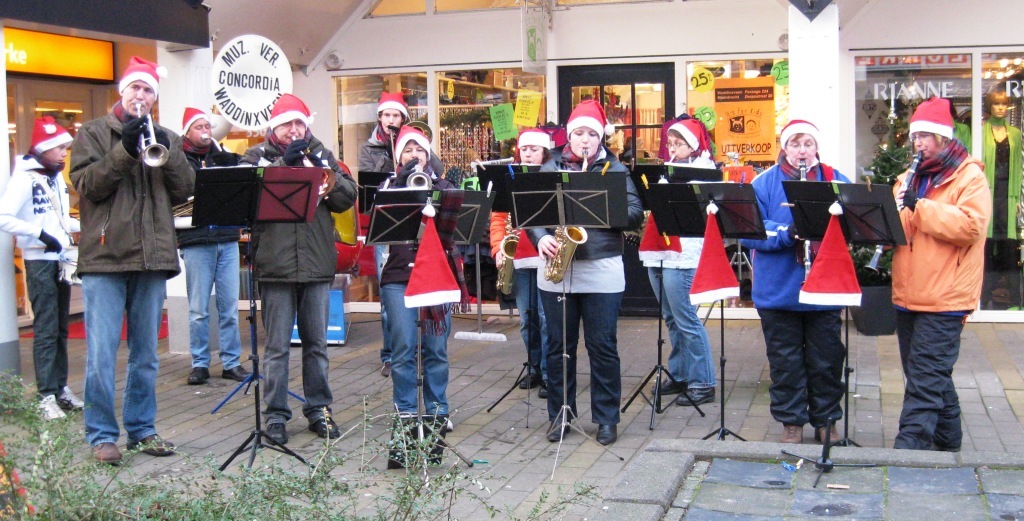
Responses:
[107,453]
[385,370]
[792,433]
[153,445]
[819,435]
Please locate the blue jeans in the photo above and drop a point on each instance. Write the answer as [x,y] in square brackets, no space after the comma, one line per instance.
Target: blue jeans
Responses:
[286,305]
[929,347]
[385,327]
[600,314]
[51,300]
[531,319]
[207,265]
[403,361]
[690,358]
[107,297]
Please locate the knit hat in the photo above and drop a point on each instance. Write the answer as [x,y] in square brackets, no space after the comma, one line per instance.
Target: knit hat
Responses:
[800,126]
[833,279]
[47,134]
[191,116]
[407,134]
[142,70]
[589,114]
[535,137]
[289,108]
[393,100]
[714,278]
[656,246]
[431,281]
[932,116]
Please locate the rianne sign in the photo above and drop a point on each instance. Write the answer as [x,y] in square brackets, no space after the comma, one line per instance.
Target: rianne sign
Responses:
[249,74]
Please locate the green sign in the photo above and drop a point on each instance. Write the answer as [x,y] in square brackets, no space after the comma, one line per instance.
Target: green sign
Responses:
[501,121]
[780,71]
[707,116]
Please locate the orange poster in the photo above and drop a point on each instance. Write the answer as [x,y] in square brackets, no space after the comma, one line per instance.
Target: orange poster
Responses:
[746,118]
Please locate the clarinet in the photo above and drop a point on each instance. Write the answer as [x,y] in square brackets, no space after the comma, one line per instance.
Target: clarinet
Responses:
[912,170]
[807,243]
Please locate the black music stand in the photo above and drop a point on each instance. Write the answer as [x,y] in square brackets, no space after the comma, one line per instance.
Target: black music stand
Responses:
[243,196]
[473,219]
[585,199]
[368,184]
[396,218]
[825,464]
[739,217]
[679,208]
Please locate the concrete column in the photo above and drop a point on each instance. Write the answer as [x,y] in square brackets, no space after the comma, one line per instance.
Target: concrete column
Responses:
[814,90]
[10,359]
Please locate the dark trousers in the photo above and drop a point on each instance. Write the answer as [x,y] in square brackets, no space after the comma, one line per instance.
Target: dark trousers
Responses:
[599,313]
[805,358]
[929,346]
[51,300]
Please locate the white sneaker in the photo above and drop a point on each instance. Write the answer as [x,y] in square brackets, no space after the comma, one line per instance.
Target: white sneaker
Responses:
[51,411]
[68,401]
[451,426]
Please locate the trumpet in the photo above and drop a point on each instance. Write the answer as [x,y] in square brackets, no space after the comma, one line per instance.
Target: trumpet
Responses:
[153,153]
[419,180]
[568,238]
[508,248]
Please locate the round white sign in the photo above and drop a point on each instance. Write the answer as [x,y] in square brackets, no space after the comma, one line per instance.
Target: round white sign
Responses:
[249,74]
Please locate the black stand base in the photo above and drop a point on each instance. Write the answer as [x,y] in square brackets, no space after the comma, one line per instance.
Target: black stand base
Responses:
[256,437]
[824,463]
[721,432]
[846,440]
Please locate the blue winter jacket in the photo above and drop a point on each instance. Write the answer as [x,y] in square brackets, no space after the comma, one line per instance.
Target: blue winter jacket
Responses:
[778,274]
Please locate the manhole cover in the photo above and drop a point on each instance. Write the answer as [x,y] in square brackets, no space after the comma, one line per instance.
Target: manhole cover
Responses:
[833,510]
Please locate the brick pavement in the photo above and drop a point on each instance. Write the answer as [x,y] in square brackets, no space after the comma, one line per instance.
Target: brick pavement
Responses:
[520,461]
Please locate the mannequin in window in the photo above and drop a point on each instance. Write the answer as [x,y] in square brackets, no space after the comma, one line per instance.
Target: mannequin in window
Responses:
[1001,152]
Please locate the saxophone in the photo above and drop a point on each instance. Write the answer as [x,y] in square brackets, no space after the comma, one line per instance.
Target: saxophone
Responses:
[508,249]
[568,238]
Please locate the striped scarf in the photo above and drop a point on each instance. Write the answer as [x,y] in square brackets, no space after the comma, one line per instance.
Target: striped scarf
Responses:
[936,169]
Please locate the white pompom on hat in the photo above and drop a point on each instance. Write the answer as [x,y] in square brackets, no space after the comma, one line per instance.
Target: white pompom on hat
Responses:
[534,137]
[800,126]
[47,134]
[191,116]
[140,69]
[933,116]
[589,114]
[289,108]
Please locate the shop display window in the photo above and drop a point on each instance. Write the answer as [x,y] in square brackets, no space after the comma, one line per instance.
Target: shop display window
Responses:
[635,110]
[744,104]
[398,7]
[473,5]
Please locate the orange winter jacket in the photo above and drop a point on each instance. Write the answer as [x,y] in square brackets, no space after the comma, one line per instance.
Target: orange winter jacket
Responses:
[940,268]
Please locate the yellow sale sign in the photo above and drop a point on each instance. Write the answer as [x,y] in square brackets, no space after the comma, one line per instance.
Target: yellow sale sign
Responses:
[746,118]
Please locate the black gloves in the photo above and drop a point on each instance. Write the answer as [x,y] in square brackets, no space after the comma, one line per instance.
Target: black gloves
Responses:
[130,134]
[52,244]
[295,152]
[910,199]
[793,232]
[403,173]
[161,137]
[315,161]
[221,158]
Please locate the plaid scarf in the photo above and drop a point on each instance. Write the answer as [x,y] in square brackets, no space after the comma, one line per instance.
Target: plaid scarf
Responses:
[573,162]
[935,170]
[446,220]
[121,113]
[792,173]
[189,148]
[272,139]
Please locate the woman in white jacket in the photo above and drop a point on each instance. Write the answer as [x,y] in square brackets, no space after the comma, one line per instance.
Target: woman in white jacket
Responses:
[34,208]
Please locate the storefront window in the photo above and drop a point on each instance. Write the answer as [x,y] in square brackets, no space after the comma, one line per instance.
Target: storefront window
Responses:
[357,107]
[396,7]
[635,109]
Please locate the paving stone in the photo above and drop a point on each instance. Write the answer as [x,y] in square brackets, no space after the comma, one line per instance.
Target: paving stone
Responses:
[614,511]
[1005,507]
[743,500]
[1002,481]
[652,478]
[831,504]
[749,474]
[860,480]
[711,515]
[932,481]
[935,506]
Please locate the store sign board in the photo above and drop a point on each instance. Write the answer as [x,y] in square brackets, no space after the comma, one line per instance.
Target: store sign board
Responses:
[535,40]
[249,74]
[48,54]
[933,87]
[746,108]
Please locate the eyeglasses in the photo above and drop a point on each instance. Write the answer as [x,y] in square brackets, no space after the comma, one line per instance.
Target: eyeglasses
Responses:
[919,136]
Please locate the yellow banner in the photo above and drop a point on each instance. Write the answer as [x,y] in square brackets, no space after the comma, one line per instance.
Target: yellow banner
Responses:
[56,55]
[746,118]
[527,108]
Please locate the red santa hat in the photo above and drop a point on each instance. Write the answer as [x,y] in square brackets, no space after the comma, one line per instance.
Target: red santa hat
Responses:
[693,133]
[526,254]
[47,134]
[589,114]
[431,282]
[833,279]
[800,126]
[140,69]
[191,116]
[714,279]
[656,246]
[407,134]
[289,108]
[932,116]
[393,100]
[535,137]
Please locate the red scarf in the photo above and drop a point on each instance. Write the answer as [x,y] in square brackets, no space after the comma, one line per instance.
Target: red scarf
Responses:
[826,174]
[189,148]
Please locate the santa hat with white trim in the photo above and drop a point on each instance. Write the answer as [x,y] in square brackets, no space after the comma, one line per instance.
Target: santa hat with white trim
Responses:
[833,279]
[535,137]
[800,126]
[140,69]
[407,134]
[714,279]
[393,100]
[932,116]
[694,133]
[289,108]
[589,114]
[431,282]
[47,134]
[191,116]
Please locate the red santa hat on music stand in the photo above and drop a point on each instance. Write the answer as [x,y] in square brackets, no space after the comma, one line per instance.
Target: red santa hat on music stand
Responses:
[140,69]
[527,255]
[714,279]
[833,279]
[47,134]
[431,282]
[393,100]
[656,246]
[191,116]
[289,108]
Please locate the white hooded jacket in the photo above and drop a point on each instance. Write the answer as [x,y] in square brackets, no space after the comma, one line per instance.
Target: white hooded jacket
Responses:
[26,210]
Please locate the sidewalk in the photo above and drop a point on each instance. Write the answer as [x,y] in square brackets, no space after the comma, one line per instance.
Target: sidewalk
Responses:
[520,460]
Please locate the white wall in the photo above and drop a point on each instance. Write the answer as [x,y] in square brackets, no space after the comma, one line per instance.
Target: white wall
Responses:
[935,23]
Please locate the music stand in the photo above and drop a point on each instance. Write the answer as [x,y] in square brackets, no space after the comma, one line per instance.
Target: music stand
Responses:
[739,217]
[368,184]
[825,464]
[473,219]
[396,218]
[243,196]
[664,199]
[585,199]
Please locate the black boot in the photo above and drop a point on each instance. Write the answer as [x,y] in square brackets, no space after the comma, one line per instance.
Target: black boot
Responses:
[435,431]
[403,437]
